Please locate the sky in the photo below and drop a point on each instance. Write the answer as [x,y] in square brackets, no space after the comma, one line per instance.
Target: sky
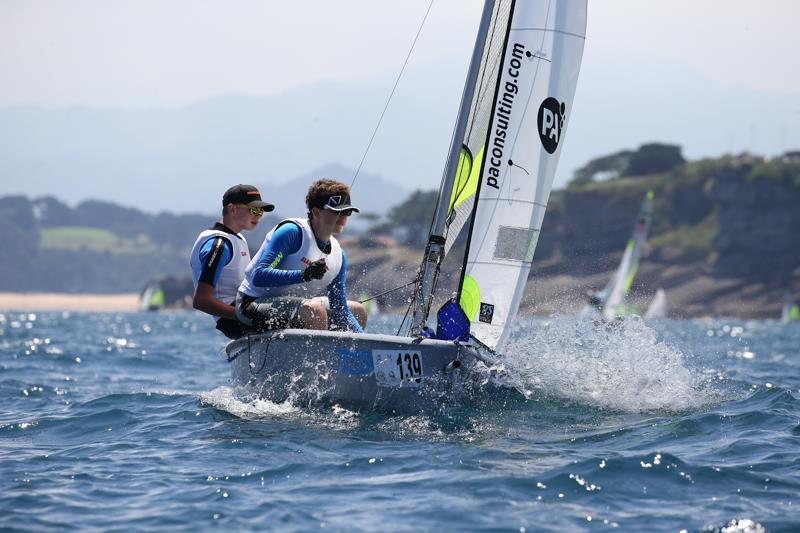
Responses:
[715,76]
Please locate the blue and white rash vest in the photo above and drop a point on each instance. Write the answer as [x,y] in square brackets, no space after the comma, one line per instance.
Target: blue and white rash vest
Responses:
[277,269]
[293,264]
[219,257]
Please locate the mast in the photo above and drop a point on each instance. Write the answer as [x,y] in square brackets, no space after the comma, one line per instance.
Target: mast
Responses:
[433,251]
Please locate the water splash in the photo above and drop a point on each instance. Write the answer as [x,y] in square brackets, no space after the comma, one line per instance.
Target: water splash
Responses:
[245,406]
[621,366]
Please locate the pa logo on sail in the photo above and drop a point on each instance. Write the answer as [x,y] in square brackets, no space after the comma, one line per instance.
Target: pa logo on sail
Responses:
[551,122]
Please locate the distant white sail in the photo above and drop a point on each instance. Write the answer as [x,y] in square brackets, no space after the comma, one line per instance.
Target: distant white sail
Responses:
[617,288]
[507,173]
[658,307]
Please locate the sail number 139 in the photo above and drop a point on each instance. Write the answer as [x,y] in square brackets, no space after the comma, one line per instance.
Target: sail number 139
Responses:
[409,366]
[398,368]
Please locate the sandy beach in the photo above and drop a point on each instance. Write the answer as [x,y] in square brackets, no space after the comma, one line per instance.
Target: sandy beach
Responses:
[45,301]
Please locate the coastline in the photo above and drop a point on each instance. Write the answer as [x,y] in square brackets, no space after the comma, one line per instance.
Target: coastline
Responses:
[50,301]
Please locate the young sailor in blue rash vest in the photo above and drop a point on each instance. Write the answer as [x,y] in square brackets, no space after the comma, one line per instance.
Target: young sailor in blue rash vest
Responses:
[297,278]
[220,256]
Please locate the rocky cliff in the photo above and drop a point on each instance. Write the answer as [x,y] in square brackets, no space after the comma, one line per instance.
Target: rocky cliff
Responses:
[725,241]
[725,238]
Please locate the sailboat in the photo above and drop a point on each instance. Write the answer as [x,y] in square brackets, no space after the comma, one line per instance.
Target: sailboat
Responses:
[658,306]
[514,111]
[790,310]
[610,302]
[370,304]
[152,298]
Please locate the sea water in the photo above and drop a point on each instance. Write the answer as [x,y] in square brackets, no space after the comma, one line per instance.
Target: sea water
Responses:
[127,422]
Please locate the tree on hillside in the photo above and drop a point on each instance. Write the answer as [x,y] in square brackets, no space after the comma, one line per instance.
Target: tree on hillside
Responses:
[613,164]
[654,158]
[410,221]
[20,242]
[123,221]
[20,228]
[649,159]
[51,212]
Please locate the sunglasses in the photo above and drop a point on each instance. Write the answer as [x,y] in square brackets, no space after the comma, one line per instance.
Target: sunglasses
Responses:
[345,212]
[255,211]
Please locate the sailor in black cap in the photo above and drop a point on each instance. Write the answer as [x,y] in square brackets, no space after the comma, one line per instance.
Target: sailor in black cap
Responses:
[220,256]
[297,278]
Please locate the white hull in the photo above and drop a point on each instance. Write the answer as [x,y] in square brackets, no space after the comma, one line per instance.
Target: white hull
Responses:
[356,371]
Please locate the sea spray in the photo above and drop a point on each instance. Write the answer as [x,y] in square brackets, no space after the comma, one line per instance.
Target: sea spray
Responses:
[622,365]
[245,406]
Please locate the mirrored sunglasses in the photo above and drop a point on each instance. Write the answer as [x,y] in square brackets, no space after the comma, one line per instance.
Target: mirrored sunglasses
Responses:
[343,212]
[255,211]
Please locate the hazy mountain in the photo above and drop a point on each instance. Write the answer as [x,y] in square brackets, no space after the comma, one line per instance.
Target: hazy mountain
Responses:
[371,193]
[181,160]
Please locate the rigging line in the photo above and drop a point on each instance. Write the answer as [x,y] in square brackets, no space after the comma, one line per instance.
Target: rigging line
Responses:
[417,281]
[390,290]
[412,301]
[378,125]
[402,322]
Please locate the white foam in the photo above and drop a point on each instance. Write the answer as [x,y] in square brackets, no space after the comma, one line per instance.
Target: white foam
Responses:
[227,399]
[620,366]
[246,404]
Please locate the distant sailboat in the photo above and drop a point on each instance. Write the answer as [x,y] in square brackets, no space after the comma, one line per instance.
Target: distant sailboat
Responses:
[658,307]
[152,298]
[790,311]
[370,304]
[610,302]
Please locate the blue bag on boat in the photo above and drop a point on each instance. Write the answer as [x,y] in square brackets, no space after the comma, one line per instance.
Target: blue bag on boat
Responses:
[453,324]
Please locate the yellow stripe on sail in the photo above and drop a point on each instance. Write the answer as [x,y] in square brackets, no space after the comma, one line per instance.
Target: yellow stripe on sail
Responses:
[470,300]
[631,274]
[157,299]
[466,183]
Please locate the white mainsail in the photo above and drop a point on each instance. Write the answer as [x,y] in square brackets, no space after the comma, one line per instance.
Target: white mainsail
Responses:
[513,163]
[619,285]
[658,307]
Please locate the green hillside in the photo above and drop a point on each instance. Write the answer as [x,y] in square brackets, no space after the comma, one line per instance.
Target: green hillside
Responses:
[76,238]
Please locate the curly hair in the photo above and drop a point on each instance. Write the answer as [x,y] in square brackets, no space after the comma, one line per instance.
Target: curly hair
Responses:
[321,189]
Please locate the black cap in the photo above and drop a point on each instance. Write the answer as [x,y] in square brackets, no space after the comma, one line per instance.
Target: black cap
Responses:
[338,202]
[245,195]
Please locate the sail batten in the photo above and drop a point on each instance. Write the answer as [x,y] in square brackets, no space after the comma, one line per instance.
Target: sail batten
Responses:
[553,30]
[501,265]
